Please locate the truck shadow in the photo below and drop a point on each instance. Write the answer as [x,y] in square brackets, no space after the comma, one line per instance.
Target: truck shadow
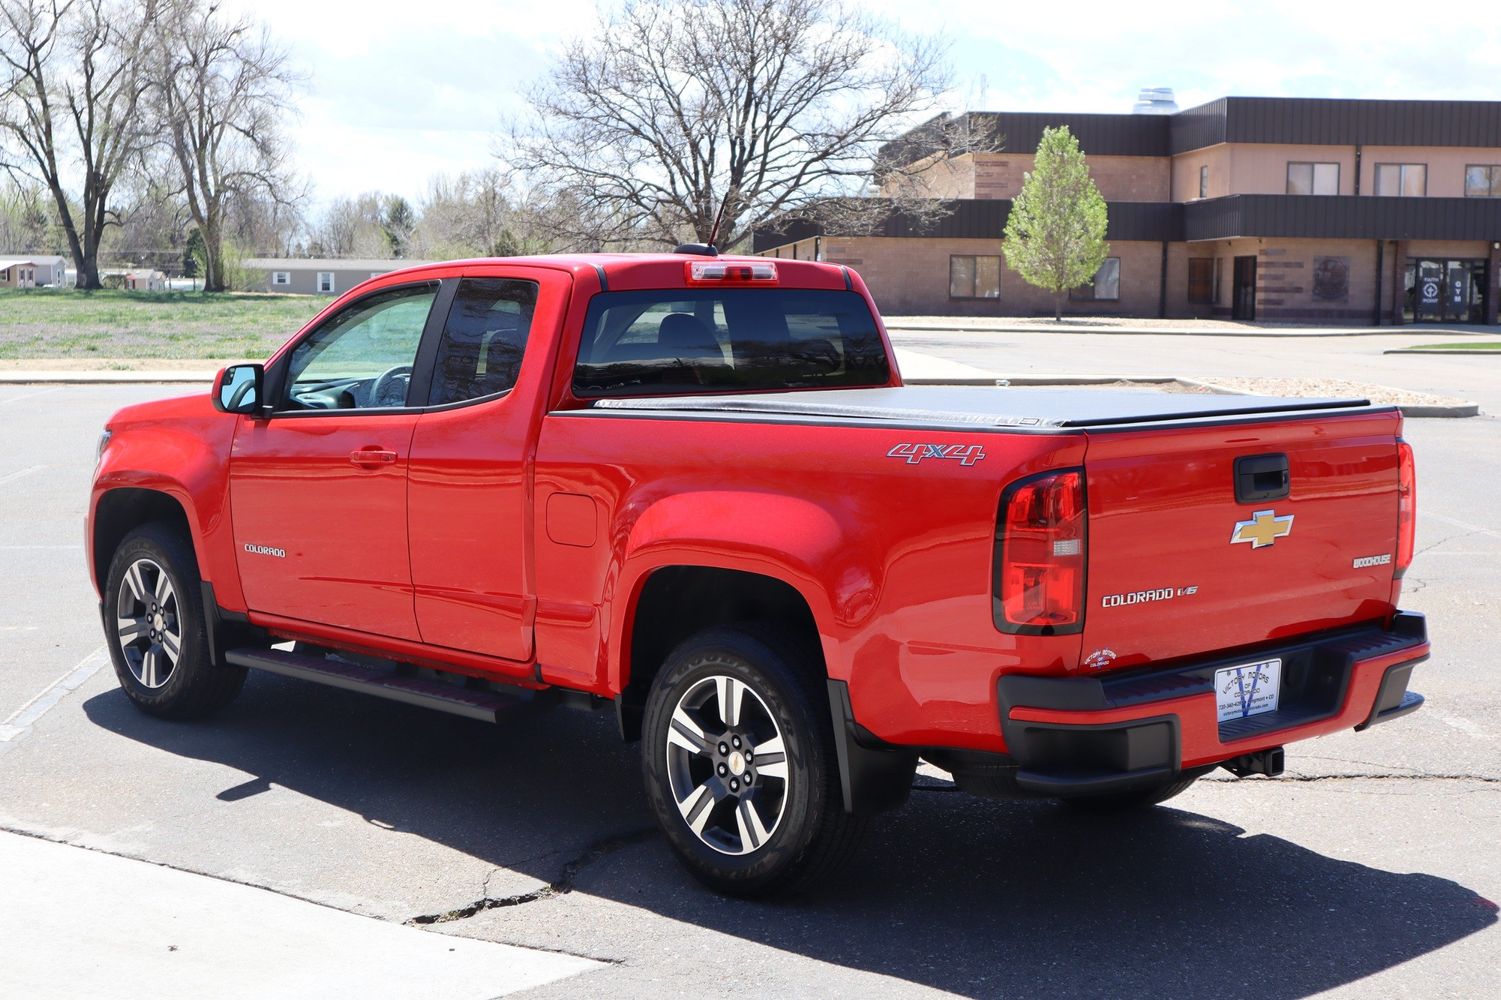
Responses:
[974,897]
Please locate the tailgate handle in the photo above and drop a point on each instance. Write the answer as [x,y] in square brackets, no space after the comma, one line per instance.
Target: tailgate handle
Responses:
[1261,477]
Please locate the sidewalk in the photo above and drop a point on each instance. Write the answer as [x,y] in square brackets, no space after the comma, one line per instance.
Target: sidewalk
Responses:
[79,923]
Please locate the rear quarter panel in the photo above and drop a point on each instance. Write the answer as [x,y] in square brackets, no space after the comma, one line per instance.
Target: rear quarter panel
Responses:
[893,557]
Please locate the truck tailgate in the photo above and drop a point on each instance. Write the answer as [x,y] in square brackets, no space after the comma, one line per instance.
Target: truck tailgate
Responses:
[1179,566]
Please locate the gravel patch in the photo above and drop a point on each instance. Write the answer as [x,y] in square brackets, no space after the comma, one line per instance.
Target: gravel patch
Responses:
[1327,388]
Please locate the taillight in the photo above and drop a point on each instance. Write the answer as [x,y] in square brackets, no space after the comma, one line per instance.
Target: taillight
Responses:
[1040,552]
[1407,507]
[702,272]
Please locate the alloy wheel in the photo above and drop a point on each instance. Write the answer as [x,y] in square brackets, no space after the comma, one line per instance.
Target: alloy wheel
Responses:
[727,765]
[148,625]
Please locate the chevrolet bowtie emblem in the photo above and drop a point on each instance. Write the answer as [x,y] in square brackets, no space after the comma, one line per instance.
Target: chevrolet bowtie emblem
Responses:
[1264,528]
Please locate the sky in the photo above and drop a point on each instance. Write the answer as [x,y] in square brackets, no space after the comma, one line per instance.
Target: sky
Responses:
[395,93]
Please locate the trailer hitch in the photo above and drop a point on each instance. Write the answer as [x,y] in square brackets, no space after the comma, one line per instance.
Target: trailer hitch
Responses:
[1267,762]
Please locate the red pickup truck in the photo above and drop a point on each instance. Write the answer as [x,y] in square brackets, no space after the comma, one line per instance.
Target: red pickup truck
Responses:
[695,488]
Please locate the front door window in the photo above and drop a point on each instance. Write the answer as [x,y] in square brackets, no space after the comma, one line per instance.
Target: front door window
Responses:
[362,358]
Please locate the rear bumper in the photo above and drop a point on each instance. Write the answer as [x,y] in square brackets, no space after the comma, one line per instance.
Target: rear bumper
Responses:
[1087,735]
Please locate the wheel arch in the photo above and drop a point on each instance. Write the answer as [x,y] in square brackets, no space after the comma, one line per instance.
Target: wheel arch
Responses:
[119,511]
[673,601]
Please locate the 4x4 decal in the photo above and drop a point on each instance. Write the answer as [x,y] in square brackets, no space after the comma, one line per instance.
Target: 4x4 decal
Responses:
[966,454]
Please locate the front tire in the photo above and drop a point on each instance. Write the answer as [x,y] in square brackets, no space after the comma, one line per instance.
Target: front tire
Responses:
[156,629]
[740,766]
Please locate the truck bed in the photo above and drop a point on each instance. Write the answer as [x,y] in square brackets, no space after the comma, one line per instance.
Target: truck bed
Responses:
[971,407]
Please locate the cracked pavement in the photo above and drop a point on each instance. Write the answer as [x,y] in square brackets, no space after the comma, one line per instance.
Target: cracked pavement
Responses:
[1369,870]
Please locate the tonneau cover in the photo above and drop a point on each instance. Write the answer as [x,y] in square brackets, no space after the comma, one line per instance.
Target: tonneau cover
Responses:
[983,406]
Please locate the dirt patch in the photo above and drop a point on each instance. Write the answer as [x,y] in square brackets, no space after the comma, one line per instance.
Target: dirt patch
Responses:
[110,364]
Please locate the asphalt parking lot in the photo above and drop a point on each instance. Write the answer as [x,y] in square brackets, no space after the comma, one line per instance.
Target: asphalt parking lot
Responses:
[1369,870]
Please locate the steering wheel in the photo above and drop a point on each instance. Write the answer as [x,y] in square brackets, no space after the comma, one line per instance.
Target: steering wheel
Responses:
[390,386]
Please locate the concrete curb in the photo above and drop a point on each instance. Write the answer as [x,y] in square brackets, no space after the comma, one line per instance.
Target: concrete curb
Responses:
[39,377]
[1386,331]
[1426,350]
[1461,409]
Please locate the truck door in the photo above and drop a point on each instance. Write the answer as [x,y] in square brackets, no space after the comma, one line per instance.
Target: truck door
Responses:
[318,491]
[470,481]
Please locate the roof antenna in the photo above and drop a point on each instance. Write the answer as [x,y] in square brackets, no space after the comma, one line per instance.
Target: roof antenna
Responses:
[707,249]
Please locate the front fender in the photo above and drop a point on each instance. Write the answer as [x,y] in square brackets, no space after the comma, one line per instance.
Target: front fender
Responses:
[182,453]
[805,545]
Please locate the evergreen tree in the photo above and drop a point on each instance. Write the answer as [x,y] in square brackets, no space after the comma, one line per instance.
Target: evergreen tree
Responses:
[1055,237]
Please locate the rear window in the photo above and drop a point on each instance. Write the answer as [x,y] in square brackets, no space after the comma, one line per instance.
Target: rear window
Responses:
[727,340]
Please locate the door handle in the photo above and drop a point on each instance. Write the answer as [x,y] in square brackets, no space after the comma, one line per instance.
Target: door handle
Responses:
[372,457]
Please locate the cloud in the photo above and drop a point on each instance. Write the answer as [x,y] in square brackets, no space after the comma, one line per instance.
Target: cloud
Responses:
[399,92]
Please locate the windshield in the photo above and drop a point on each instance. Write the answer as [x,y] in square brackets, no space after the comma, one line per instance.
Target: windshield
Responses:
[727,339]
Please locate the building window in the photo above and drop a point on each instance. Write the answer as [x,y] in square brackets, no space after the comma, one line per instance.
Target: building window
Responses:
[1204,181]
[1406,180]
[974,277]
[1106,286]
[325,281]
[1313,178]
[1201,279]
[1483,181]
[281,277]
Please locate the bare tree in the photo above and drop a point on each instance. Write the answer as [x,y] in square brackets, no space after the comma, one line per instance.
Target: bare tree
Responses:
[222,91]
[26,220]
[153,227]
[70,106]
[350,227]
[767,107]
[490,213]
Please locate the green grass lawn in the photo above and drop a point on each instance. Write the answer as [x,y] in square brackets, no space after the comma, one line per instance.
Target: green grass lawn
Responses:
[64,323]
[1464,345]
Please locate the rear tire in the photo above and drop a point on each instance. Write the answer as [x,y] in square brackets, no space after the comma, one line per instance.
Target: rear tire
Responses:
[762,815]
[1141,798]
[156,629]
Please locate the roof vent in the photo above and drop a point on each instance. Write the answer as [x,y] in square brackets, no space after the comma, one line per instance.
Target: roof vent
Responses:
[698,249]
[1155,101]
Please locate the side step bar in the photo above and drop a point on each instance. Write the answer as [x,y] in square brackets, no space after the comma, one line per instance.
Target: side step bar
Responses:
[469,702]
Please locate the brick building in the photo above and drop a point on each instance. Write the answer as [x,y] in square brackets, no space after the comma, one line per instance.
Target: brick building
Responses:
[1278,209]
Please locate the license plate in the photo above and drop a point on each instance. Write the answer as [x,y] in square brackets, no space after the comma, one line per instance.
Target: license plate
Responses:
[1246,690]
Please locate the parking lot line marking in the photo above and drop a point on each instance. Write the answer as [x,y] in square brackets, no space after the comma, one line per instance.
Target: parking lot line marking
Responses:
[11,477]
[1463,524]
[23,718]
[1466,726]
[39,548]
[28,395]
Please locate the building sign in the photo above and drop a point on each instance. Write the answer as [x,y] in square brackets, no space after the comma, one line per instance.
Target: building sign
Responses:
[1331,279]
[1457,281]
[1428,294]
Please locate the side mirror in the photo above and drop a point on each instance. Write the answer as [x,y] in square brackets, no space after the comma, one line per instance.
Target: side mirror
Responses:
[237,389]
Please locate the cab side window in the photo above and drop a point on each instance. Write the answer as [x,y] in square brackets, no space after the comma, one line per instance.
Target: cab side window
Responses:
[361,358]
[484,339]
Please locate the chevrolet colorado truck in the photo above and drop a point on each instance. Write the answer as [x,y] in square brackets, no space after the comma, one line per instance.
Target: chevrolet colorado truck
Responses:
[695,488]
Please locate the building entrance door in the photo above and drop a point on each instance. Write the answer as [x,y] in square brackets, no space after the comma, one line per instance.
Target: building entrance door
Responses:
[1445,291]
[1243,289]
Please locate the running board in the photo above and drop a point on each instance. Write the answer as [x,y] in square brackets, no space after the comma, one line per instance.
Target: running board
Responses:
[471,703]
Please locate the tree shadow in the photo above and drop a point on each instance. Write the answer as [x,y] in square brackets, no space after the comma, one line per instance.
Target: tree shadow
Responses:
[961,894]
